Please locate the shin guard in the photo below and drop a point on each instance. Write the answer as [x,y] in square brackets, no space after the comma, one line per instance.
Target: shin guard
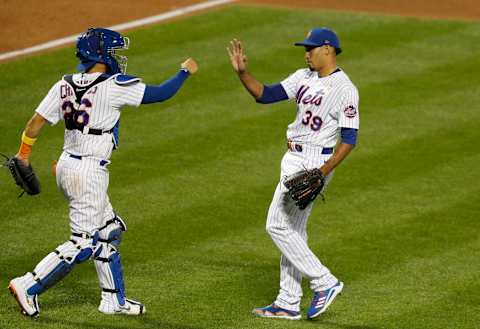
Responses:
[108,263]
[57,264]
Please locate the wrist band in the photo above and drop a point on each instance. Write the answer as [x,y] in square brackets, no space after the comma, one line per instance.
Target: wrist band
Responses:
[28,140]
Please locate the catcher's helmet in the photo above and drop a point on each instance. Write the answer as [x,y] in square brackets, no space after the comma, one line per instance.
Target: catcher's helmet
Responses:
[99,45]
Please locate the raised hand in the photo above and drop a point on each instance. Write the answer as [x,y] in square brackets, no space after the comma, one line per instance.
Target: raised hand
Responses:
[237,56]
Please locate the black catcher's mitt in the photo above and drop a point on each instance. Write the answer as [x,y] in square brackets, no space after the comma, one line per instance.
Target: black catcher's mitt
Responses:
[23,175]
[304,186]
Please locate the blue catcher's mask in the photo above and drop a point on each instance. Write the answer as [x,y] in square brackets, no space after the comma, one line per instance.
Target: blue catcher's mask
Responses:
[99,45]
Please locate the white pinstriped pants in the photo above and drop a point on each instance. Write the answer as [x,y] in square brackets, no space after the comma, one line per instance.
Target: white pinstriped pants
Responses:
[287,225]
[84,182]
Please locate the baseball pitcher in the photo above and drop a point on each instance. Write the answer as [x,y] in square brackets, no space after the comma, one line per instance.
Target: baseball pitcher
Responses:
[89,103]
[327,108]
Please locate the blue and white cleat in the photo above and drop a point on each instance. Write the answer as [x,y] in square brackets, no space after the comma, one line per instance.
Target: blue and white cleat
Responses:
[322,300]
[273,311]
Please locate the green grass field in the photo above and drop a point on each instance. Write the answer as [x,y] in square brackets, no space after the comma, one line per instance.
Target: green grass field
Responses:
[194,177]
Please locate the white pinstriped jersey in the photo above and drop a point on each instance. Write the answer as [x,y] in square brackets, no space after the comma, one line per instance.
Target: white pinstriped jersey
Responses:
[324,105]
[106,98]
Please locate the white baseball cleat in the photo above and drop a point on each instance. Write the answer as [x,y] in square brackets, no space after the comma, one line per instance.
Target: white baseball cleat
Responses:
[28,303]
[322,300]
[131,307]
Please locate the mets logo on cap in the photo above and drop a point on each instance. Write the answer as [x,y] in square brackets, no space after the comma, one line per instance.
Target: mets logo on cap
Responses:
[350,111]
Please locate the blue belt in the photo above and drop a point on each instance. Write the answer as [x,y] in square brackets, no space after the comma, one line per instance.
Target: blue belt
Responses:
[79,157]
[327,150]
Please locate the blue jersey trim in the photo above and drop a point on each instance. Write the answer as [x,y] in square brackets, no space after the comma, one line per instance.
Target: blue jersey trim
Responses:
[272,94]
[349,135]
[125,80]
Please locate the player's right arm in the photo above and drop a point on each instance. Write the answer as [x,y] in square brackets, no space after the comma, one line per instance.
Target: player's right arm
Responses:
[47,111]
[262,94]
[29,137]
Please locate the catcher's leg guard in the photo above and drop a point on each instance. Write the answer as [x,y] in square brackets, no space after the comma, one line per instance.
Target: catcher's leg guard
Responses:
[54,267]
[59,263]
[110,271]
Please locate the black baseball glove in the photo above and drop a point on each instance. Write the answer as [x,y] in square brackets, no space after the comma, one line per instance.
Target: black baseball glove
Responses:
[304,186]
[23,175]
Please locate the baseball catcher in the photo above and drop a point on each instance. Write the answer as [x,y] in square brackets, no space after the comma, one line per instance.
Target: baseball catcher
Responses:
[89,104]
[304,186]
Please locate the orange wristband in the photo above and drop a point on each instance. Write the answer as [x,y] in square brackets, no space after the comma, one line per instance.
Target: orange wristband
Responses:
[25,150]
[26,146]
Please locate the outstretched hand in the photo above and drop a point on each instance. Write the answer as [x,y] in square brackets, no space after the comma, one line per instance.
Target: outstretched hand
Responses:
[237,55]
[190,65]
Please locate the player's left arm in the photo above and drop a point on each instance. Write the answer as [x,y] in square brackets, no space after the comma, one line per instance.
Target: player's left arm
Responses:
[348,119]
[341,152]
[155,94]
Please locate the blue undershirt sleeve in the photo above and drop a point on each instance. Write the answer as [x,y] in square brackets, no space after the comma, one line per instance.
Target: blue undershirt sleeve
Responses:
[272,94]
[349,135]
[154,94]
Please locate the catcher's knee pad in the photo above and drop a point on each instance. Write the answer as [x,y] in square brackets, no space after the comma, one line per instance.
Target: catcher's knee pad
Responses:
[108,262]
[56,265]
[111,232]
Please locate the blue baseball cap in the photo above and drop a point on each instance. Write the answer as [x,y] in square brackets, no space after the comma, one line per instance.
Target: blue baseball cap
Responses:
[321,36]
